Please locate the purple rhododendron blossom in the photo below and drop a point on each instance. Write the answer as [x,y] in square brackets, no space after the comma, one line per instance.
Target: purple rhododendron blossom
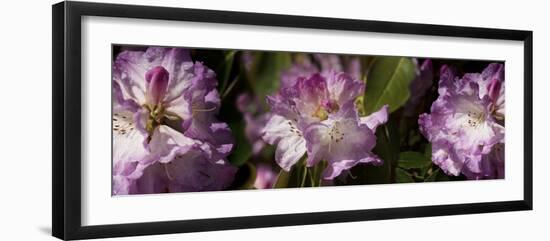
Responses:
[342,140]
[465,127]
[317,116]
[163,119]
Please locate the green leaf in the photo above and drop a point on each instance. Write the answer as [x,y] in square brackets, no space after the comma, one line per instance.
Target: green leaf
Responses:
[242,150]
[428,151]
[366,64]
[266,71]
[402,176]
[411,159]
[388,83]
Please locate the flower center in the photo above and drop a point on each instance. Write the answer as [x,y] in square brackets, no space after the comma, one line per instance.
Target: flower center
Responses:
[156,113]
[320,113]
[326,107]
[475,118]
[157,83]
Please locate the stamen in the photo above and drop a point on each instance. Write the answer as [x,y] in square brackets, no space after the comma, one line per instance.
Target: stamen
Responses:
[204,110]
[475,118]
[294,129]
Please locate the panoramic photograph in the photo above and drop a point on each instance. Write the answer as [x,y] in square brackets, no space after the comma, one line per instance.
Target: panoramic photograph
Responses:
[188,119]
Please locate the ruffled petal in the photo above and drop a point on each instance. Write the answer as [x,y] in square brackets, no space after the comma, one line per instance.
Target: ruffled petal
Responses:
[343,88]
[153,180]
[335,169]
[129,70]
[445,158]
[128,140]
[375,119]
[122,185]
[289,140]
[318,143]
[289,151]
[194,171]
[166,143]
[191,171]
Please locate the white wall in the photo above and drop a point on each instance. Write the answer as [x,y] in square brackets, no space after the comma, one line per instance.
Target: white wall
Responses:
[25,122]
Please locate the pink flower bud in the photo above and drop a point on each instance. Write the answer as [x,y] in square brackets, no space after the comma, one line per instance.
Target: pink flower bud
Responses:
[157,83]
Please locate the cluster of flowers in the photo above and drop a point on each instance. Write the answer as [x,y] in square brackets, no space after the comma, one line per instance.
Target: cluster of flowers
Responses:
[466,123]
[166,137]
[314,112]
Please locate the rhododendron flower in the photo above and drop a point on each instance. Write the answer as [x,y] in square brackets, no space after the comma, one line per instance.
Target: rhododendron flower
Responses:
[165,106]
[463,127]
[314,116]
[343,140]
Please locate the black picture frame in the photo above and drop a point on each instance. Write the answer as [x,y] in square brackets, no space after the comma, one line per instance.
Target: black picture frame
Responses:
[66,166]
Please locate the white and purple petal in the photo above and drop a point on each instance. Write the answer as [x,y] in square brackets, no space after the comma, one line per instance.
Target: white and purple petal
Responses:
[284,133]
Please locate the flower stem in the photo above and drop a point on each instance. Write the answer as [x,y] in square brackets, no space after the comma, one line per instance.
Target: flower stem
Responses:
[304,175]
